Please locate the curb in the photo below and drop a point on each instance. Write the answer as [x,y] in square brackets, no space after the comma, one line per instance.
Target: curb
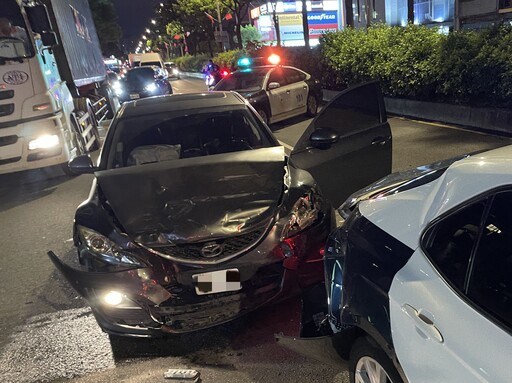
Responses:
[193,74]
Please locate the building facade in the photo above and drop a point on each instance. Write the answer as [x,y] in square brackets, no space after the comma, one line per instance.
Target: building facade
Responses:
[332,15]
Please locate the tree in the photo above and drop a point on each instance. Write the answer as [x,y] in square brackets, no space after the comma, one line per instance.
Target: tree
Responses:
[249,33]
[109,31]
[238,8]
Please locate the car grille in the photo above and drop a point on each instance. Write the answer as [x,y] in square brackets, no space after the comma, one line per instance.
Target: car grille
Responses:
[231,246]
[6,109]
[8,140]
[6,94]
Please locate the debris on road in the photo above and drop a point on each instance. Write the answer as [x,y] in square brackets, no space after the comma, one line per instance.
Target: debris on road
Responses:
[182,375]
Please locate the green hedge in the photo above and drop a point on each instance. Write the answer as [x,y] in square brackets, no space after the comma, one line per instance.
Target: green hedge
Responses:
[189,63]
[470,67]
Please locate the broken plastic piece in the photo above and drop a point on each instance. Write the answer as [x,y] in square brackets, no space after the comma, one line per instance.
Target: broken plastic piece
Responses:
[182,374]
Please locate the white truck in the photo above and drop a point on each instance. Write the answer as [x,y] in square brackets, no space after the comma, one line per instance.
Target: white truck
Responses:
[53,91]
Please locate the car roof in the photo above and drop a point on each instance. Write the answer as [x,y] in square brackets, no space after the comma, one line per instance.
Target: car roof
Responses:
[182,101]
[405,215]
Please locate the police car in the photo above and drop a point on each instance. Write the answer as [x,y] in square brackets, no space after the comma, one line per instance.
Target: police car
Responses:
[419,277]
[277,92]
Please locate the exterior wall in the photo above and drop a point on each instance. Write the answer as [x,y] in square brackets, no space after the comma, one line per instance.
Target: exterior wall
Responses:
[477,7]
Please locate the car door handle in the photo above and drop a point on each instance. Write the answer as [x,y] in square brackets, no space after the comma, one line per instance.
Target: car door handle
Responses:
[423,324]
[380,140]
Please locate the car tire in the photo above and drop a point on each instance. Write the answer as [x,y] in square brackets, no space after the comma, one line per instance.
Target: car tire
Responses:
[369,363]
[264,115]
[312,106]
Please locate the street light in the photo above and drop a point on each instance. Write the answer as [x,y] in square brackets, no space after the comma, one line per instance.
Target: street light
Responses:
[153,21]
[144,37]
[148,30]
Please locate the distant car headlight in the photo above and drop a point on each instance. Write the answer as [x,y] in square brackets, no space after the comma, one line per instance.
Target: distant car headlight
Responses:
[151,87]
[45,141]
[175,71]
[304,214]
[106,250]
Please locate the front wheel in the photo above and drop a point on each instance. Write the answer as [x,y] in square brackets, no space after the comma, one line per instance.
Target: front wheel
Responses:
[370,364]
[311,106]
[263,115]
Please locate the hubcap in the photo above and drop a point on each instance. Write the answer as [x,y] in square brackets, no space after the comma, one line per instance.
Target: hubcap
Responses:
[368,370]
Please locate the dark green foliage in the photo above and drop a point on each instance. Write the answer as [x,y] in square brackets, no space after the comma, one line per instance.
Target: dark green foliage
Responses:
[471,67]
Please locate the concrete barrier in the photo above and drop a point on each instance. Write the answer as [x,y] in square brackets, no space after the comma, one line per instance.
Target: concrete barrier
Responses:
[492,120]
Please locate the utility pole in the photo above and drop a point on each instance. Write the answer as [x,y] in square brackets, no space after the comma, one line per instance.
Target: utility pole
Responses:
[275,18]
[410,11]
[219,19]
[305,24]
[456,21]
[349,13]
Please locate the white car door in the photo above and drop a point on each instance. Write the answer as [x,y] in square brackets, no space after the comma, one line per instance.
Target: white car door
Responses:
[451,311]
[279,98]
[298,90]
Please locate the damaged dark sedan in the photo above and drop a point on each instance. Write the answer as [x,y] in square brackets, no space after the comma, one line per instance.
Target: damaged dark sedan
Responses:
[197,216]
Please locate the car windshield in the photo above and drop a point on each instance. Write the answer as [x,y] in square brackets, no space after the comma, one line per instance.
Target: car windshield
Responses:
[150,63]
[184,134]
[14,40]
[140,75]
[248,80]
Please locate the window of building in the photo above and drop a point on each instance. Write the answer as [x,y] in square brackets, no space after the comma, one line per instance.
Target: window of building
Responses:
[425,11]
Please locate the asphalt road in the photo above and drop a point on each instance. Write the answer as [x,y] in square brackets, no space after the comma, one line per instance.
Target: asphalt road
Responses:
[49,334]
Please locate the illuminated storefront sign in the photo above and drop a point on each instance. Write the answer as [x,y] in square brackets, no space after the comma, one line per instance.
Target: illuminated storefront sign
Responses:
[322,22]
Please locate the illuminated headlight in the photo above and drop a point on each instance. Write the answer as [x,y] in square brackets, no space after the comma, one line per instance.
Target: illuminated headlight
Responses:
[175,71]
[46,141]
[113,298]
[303,214]
[105,249]
[151,87]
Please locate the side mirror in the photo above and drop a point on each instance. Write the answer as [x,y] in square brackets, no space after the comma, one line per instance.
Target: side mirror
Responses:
[49,39]
[82,165]
[38,18]
[273,85]
[323,138]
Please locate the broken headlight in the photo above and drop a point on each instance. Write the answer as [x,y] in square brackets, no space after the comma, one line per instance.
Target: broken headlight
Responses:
[304,214]
[105,249]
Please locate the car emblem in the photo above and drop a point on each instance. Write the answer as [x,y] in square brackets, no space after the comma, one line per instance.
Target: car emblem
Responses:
[212,249]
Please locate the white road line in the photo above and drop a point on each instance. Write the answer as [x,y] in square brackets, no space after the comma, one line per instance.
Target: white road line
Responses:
[289,147]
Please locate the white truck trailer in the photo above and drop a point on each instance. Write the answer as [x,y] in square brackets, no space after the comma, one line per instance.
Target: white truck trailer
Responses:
[53,89]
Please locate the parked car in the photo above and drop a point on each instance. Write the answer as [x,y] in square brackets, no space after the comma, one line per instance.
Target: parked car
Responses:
[276,92]
[419,277]
[172,69]
[144,81]
[197,216]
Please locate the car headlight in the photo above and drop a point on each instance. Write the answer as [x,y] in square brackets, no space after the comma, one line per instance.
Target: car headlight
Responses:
[151,87]
[304,213]
[45,141]
[105,249]
[175,71]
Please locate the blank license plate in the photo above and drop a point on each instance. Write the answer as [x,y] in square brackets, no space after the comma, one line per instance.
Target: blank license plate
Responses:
[217,281]
[134,96]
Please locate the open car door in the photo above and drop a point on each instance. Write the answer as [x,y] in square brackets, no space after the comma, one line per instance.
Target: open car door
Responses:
[348,145]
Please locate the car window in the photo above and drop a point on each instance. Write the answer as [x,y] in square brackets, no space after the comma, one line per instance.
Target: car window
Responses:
[451,241]
[177,135]
[151,63]
[277,75]
[140,74]
[293,76]
[490,284]
[351,112]
[247,80]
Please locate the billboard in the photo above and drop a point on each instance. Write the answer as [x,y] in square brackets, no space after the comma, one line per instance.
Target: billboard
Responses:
[290,26]
[322,22]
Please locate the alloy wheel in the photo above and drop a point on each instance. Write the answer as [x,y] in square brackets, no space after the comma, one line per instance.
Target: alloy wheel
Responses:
[368,370]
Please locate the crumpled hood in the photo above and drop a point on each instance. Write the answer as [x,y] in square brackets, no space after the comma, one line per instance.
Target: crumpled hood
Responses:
[196,199]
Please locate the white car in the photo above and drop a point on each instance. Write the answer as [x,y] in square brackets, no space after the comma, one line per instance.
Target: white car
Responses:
[419,277]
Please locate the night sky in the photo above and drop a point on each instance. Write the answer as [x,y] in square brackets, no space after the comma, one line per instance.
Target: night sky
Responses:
[134,16]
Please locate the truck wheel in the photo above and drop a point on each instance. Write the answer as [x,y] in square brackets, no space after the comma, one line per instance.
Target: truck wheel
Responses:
[368,363]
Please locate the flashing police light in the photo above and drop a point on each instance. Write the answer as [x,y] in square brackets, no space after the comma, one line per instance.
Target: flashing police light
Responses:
[274,59]
[244,61]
